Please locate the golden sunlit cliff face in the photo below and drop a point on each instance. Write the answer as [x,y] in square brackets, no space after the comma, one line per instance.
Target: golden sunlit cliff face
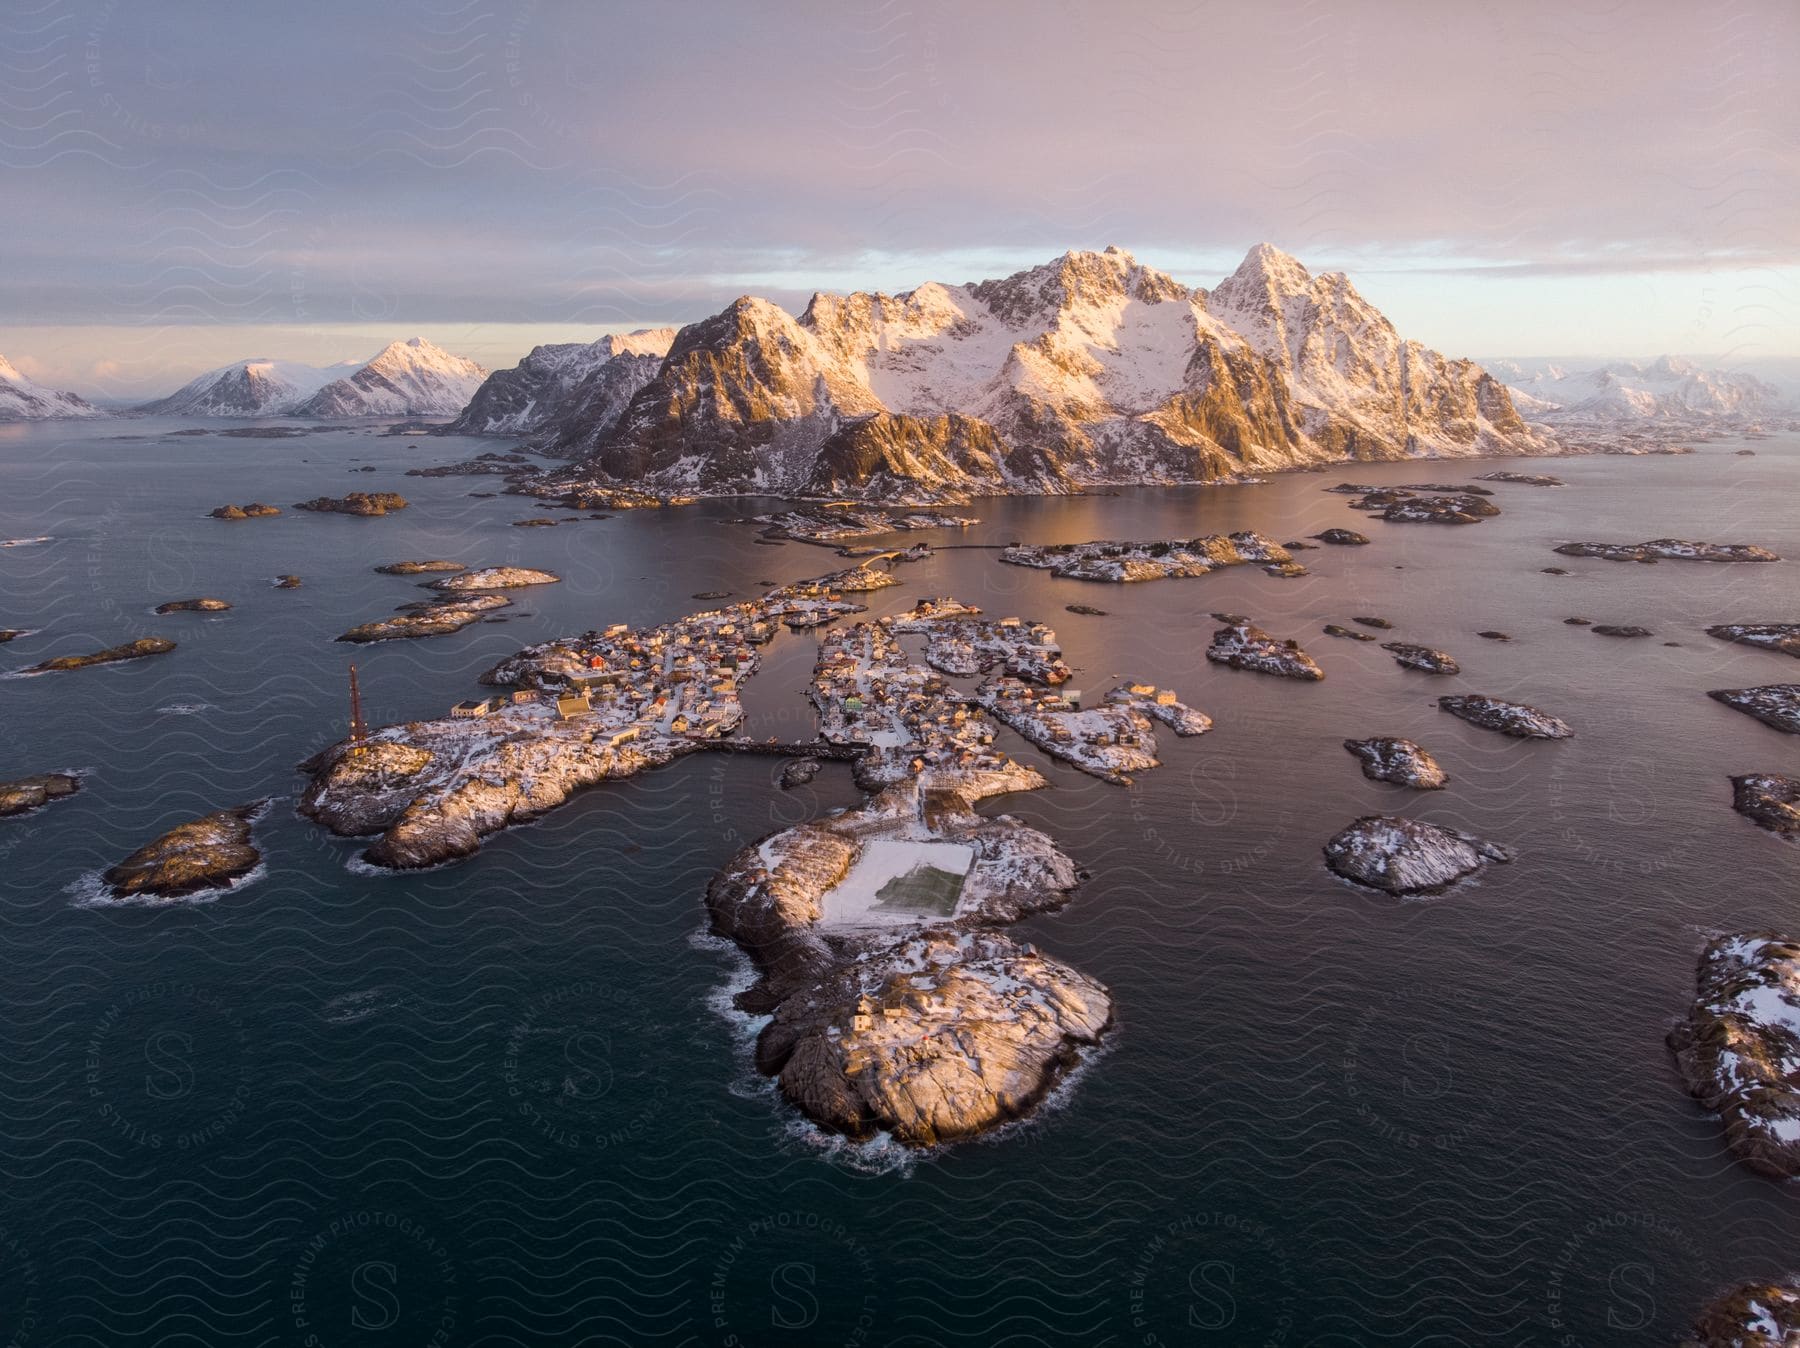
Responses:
[1092,369]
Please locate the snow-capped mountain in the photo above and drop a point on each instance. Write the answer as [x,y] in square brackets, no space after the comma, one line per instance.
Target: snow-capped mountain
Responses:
[1091,369]
[23,400]
[414,378]
[258,387]
[555,381]
[1666,389]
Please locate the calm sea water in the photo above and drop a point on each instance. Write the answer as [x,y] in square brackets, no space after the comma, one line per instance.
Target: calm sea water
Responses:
[498,1103]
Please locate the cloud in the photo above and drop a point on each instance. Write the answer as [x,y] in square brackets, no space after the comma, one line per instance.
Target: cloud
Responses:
[567,163]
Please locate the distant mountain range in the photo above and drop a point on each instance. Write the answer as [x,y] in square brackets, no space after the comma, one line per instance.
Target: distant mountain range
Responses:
[23,400]
[1668,389]
[1092,369]
[414,378]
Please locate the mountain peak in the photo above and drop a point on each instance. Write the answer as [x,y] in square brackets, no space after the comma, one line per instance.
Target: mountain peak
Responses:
[1266,267]
[1080,277]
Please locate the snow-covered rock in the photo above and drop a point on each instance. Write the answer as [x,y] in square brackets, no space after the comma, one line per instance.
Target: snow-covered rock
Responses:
[1769,799]
[405,379]
[1409,655]
[1402,762]
[22,399]
[495,578]
[1509,718]
[589,381]
[1405,856]
[1750,1315]
[1108,559]
[1775,704]
[940,1037]
[1242,645]
[1739,1047]
[1780,637]
[1670,549]
[1088,370]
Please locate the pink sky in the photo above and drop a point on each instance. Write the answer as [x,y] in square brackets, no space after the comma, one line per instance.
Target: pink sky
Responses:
[200,184]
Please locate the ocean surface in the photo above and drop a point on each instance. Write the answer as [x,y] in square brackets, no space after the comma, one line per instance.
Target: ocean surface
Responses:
[501,1103]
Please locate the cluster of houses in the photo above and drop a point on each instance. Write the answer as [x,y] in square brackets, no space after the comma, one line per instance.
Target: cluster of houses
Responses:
[869,692]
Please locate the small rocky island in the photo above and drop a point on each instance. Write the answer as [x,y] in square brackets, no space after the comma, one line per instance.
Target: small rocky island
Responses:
[840,522]
[1783,638]
[1769,799]
[494,578]
[130,650]
[1670,549]
[193,606]
[1522,479]
[427,618]
[1398,505]
[255,510]
[419,568]
[1402,762]
[22,795]
[897,1005]
[1739,1047]
[1119,562]
[1242,645]
[941,1037]
[1406,856]
[1774,704]
[1343,538]
[369,503]
[1750,1315]
[203,854]
[1509,718]
[1410,656]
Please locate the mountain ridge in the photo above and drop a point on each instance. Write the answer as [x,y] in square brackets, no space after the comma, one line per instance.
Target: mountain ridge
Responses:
[557,380]
[24,399]
[1090,370]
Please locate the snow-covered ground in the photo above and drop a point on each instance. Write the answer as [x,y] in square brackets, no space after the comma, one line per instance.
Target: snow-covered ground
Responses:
[857,901]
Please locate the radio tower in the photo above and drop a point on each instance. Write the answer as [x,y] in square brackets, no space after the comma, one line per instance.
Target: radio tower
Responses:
[359,729]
